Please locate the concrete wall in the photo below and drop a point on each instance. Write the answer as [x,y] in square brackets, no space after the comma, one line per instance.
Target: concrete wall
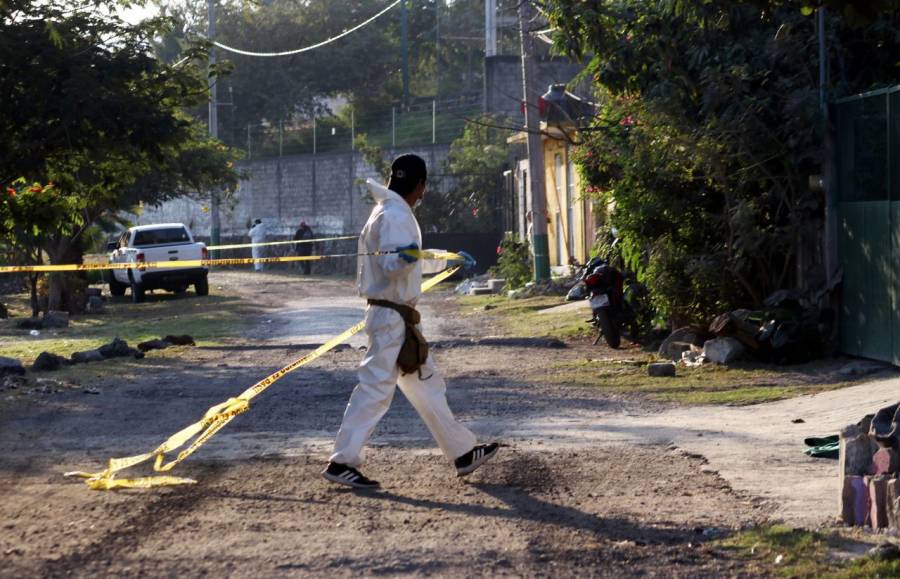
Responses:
[322,190]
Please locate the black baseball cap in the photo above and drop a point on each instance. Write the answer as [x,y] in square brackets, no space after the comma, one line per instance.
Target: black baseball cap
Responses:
[409,168]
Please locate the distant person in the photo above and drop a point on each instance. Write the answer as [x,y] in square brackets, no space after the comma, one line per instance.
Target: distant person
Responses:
[304,232]
[391,283]
[257,234]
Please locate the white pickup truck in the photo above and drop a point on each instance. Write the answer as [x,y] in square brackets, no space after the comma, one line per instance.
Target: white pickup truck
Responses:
[157,243]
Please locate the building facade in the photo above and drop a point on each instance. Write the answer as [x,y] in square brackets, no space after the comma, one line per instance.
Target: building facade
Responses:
[571,218]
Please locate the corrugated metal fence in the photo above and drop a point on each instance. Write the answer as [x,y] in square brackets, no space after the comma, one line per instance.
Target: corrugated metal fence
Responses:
[868,196]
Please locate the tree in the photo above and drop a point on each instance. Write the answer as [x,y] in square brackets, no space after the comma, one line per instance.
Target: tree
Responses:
[708,129]
[89,108]
[476,163]
[28,215]
[444,50]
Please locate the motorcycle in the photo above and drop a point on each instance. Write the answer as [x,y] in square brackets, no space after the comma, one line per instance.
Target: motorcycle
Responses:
[618,303]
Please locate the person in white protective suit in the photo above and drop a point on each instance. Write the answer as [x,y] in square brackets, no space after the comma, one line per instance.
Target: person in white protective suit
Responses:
[395,280]
[257,234]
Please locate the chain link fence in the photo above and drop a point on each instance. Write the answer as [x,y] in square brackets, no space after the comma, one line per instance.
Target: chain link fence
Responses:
[425,123]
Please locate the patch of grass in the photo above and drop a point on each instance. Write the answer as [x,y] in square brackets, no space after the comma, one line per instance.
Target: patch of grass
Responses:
[702,385]
[520,318]
[782,551]
[209,320]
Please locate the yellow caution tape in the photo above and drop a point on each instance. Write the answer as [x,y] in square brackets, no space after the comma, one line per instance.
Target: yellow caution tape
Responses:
[269,243]
[95,256]
[213,420]
[142,266]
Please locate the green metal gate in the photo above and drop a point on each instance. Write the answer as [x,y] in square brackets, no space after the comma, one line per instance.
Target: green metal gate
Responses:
[868,197]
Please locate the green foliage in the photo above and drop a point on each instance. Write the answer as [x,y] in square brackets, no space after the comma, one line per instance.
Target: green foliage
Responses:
[29,214]
[802,554]
[513,262]
[373,156]
[444,55]
[707,131]
[708,384]
[477,160]
[474,170]
[100,119]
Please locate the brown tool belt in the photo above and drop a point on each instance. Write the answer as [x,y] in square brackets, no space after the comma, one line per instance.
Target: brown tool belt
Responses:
[414,351]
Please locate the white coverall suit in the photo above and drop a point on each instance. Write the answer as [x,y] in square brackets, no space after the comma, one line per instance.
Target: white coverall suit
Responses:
[390,226]
[257,234]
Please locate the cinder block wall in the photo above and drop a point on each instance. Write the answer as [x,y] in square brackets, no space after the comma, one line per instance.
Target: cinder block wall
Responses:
[323,190]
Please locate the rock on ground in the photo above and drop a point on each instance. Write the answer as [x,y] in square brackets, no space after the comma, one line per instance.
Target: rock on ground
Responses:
[157,344]
[163,343]
[680,341]
[723,350]
[87,356]
[56,319]
[48,362]
[661,369]
[119,348]
[11,366]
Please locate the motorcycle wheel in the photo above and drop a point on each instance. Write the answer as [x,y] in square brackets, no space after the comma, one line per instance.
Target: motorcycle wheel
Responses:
[609,329]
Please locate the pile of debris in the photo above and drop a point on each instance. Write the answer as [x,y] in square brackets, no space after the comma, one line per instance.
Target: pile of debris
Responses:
[545,287]
[696,346]
[480,286]
[869,467]
[787,331]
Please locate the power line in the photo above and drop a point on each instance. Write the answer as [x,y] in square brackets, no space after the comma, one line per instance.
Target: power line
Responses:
[307,48]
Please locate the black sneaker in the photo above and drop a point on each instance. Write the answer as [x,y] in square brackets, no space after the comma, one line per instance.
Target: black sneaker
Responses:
[347,475]
[476,457]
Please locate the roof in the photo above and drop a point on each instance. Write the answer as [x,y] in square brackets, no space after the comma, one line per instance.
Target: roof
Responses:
[155,226]
[547,132]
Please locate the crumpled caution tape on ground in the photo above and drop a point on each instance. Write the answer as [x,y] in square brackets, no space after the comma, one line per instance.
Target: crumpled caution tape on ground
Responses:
[143,266]
[198,433]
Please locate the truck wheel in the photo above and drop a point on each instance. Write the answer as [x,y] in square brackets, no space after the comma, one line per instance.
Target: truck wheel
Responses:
[609,329]
[116,288]
[201,286]
[137,292]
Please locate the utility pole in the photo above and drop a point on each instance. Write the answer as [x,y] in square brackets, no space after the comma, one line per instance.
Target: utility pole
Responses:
[404,46]
[215,224]
[530,93]
[829,172]
[437,48]
[490,27]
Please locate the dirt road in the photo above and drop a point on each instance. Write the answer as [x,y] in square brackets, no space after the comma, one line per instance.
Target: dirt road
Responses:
[549,504]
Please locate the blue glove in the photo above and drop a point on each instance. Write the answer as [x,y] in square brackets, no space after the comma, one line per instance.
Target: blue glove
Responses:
[406,256]
[467,260]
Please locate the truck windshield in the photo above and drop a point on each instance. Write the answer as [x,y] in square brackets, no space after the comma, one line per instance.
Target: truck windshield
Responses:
[161,236]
